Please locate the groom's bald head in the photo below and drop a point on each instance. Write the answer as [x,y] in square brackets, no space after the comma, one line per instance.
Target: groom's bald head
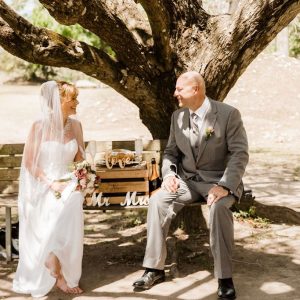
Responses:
[195,78]
[190,90]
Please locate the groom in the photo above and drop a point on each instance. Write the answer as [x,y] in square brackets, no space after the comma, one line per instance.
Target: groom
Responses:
[206,157]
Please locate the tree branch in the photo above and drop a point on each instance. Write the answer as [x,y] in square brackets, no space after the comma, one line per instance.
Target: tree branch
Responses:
[185,37]
[169,20]
[268,15]
[240,37]
[134,17]
[191,13]
[42,46]
[98,18]
[159,16]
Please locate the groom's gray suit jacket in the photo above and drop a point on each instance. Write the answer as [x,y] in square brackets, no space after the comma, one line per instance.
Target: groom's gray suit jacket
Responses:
[221,158]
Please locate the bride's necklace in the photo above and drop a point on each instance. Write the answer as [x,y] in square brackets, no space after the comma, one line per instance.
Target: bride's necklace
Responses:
[67,127]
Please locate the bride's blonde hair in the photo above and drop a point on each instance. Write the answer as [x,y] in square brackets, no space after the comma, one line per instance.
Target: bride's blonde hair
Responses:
[66,88]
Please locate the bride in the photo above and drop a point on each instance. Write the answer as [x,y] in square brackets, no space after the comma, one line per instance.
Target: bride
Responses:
[51,229]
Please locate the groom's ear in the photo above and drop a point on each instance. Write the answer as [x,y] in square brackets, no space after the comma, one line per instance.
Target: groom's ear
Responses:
[197,88]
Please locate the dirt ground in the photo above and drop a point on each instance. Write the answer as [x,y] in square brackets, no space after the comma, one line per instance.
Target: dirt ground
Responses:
[266,263]
[266,257]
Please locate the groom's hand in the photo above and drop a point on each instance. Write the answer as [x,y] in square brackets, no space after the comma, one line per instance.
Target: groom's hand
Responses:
[215,194]
[171,184]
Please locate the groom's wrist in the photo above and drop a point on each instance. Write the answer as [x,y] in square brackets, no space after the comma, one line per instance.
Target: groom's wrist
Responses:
[225,188]
[171,174]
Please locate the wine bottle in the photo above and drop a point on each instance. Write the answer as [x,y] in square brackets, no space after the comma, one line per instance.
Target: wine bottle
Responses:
[154,180]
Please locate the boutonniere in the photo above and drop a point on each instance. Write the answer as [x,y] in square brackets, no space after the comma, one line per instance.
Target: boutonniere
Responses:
[209,131]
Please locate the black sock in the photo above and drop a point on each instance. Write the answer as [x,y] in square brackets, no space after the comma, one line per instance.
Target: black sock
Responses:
[227,281]
[153,270]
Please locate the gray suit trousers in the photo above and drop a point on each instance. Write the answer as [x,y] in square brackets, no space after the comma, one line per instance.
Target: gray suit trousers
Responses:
[164,206]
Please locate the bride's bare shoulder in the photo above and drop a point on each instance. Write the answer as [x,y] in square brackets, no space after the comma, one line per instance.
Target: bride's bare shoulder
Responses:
[76,123]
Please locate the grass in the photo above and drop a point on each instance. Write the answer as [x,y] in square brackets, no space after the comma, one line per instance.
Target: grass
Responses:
[251,218]
[131,219]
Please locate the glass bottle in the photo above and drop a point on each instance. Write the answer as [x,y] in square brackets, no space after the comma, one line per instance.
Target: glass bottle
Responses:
[154,180]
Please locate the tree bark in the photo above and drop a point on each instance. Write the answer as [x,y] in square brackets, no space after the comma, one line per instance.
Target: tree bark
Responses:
[153,43]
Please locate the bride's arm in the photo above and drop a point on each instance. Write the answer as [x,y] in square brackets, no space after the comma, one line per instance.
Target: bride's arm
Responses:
[31,155]
[80,155]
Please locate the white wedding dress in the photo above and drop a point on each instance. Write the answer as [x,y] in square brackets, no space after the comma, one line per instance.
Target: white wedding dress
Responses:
[50,225]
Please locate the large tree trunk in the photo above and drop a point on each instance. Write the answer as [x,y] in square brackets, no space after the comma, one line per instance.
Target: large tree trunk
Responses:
[154,41]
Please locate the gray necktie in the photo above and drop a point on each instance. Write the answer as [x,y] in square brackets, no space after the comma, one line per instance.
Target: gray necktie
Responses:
[194,136]
[195,126]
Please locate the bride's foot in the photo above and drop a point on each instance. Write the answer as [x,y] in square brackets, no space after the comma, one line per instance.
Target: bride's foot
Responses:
[62,285]
[76,290]
[52,263]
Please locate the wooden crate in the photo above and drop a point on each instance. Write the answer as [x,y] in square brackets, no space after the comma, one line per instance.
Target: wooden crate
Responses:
[117,182]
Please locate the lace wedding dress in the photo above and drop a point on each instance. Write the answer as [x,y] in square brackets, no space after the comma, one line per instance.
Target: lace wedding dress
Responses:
[50,225]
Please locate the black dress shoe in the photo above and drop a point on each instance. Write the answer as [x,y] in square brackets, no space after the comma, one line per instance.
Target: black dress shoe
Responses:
[226,289]
[149,278]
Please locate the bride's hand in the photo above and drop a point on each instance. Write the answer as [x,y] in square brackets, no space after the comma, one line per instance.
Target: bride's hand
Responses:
[58,186]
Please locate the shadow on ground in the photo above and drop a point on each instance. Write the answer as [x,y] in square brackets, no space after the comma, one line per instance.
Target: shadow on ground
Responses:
[266,263]
[274,178]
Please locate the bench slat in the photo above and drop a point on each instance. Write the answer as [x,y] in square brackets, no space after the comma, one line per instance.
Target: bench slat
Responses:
[9,200]
[129,145]
[10,161]
[9,187]
[156,145]
[9,174]
[7,149]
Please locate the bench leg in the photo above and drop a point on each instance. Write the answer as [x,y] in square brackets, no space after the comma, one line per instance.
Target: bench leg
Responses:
[8,233]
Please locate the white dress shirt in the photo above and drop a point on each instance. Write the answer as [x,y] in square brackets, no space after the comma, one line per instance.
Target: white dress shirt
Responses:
[200,112]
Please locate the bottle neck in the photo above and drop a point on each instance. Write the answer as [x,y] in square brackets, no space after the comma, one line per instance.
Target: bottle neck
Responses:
[154,171]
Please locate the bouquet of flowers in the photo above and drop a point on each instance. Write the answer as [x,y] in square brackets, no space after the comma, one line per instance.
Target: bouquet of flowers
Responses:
[83,176]
[86,177]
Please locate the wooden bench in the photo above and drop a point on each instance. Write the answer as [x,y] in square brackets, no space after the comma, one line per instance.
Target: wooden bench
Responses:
[10,162]
[113,182]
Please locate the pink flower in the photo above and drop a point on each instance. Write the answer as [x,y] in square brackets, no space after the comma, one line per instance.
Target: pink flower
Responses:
[83,183]
[86,177]
[80,174]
